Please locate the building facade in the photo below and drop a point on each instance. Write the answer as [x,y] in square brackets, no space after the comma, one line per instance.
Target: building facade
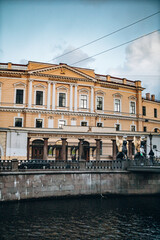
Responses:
[44,105]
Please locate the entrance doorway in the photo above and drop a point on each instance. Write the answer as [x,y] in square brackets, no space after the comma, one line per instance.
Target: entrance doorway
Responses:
[86,151]
[37,149]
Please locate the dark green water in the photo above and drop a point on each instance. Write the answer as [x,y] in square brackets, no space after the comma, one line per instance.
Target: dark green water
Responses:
[106,218]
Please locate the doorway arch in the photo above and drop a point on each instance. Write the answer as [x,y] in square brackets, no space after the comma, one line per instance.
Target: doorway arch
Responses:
[37,149]
[86,150]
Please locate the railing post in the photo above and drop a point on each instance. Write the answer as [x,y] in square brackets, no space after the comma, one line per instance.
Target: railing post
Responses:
[14,165]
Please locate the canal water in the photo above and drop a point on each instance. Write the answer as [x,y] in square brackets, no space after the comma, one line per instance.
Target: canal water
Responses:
[87,218]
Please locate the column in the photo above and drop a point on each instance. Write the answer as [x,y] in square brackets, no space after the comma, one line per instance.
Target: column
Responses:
[97,149]
[92,99]
[53,97]
[130,149]
[48,95]
[75,98]
[30,94]
[45,149]
[80,150]
[28,147]
[71,93]
[114,150]
[64,145]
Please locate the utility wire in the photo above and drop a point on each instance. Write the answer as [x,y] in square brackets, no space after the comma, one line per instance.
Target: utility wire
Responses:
[115,47]
[107,35]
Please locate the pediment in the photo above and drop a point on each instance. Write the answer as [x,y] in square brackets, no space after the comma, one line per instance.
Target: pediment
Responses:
[117,95]
[20,84]
[63,71]
[39,86]
[132,98]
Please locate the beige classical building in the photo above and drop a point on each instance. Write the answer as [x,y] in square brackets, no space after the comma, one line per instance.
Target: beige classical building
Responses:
[44,107]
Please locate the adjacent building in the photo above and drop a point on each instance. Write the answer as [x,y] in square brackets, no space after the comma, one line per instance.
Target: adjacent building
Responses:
[50,111]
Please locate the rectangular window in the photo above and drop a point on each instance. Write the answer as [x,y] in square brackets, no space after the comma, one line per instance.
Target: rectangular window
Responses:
[84,124]
[144,111]
[117,127]
[99,103]
[83,101]
[144,129]
[62,100]
[39,123]
[132,107]
[133,128]
[39,98]
[18,122]
[19,96]
[61,123]
[117,105]
[155,112]
[99,124]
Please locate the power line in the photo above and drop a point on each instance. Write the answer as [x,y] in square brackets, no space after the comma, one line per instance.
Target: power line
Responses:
[115,47]
[107,35]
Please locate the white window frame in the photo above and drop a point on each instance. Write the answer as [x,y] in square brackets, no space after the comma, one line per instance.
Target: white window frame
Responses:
[60,126]
[133,126]
[39,88]
[87,98]
[19,86]
[62,89]
[102,103]
[130,107]
[15,120]
[83,121]
[65,101]
[120,108]
[39,119]
[119,126]
[99,122]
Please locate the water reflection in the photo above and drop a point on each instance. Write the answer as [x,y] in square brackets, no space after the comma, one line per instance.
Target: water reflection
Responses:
[106,218]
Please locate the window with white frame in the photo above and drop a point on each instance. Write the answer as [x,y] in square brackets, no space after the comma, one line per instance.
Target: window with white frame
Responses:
[83,101]
[84,123]
[39,123]
[99,124]
[62,99]
[99,103]
[39,97]
[61,123]
[132,107]
[117,105]
[117,126]
[18,122]
[19,96]
[133,128]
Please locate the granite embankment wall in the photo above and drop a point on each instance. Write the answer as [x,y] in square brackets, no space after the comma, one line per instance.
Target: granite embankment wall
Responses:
[29,185]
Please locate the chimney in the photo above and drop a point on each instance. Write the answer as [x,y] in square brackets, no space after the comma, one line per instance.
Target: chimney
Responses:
[148,96]
[153,97]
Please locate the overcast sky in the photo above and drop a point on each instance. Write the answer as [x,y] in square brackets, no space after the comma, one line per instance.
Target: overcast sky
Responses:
[41,30]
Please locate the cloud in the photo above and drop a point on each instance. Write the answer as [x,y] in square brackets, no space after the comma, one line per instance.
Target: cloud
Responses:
[73,57]
[142,63]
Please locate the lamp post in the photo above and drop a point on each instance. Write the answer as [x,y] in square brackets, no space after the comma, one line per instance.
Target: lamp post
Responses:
[151,153]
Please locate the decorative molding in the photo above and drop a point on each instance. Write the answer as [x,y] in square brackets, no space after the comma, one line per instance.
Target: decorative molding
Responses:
[39,86]
[117,95]
[132,98]
[19,84]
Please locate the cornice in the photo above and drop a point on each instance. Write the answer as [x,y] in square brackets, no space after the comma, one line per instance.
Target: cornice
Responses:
[68,113]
